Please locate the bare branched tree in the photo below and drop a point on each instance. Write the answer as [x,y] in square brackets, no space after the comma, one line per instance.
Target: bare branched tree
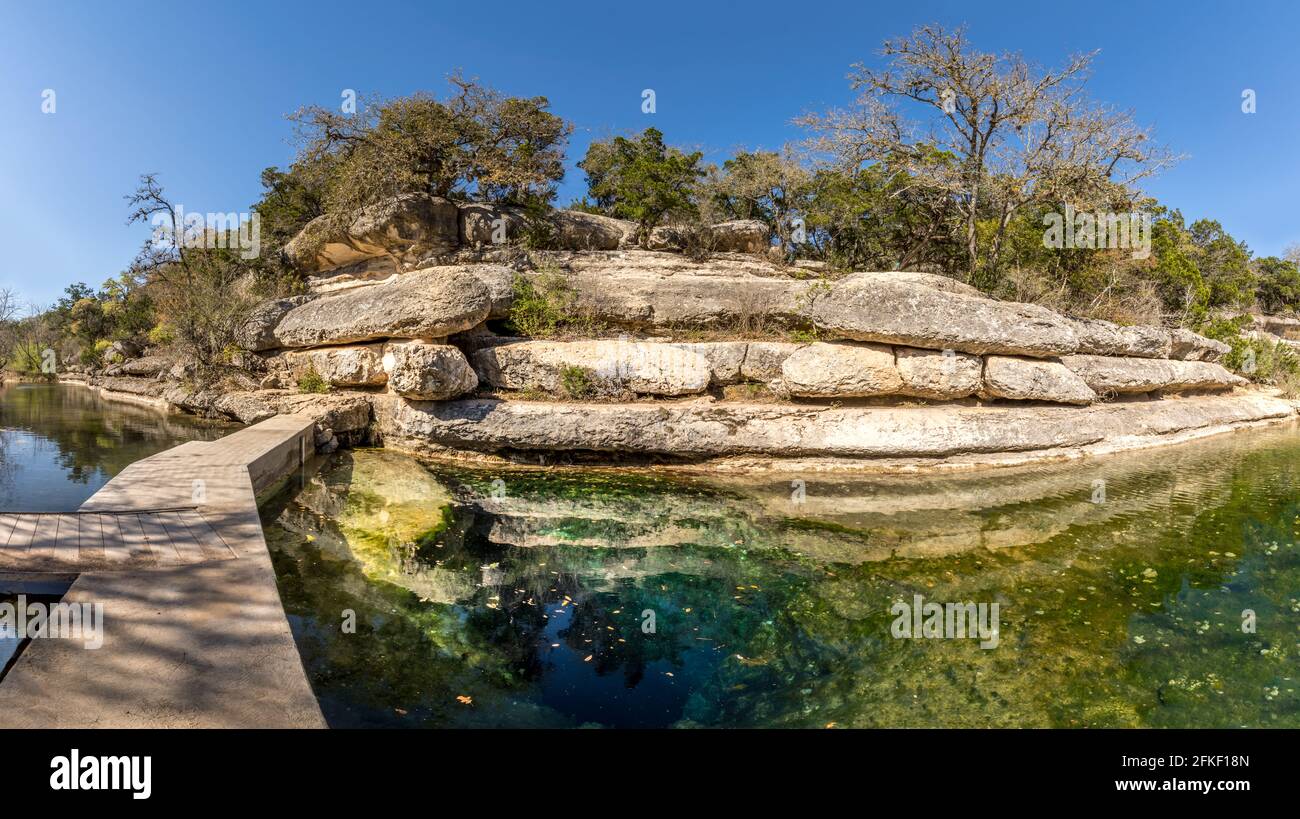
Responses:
[1017,135]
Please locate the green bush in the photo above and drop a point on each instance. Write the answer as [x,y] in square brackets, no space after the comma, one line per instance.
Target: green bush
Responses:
[311,381]
[546,306]
[576,382]
[1259,359]
[161,335]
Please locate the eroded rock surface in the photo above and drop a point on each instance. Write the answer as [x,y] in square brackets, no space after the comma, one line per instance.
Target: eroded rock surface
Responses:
[431,303]
[1109,374]
[608,366]
[1028,379]
[432,372]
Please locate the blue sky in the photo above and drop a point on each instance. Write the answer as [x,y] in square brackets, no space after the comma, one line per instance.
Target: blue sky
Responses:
[197,92]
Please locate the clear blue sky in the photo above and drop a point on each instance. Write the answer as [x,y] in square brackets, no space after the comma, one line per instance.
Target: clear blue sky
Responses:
[197,92]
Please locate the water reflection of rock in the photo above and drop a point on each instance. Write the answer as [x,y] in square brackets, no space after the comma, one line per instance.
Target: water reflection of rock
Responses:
[848,519]
[780,610]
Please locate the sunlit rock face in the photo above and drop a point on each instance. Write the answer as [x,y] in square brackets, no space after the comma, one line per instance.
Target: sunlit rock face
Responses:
[427,304]
[1030,379]
[606,366]
[427,372]
[1110,374]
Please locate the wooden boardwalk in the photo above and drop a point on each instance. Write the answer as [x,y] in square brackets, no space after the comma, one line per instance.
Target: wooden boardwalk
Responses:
[108,541]
[194,634]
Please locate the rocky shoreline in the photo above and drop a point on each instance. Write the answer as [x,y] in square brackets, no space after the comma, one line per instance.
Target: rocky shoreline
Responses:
[413,326]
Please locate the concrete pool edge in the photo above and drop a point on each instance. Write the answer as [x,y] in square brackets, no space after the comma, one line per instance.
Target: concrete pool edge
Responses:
[200,645]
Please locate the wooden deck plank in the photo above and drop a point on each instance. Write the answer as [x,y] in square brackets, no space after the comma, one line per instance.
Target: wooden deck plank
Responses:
[7,525]
[21,540]
[91,537]
[67,540]
[45,538]
[137,545]
[187,546]
[115,545]
[160,541]
[211,542]
[93,540]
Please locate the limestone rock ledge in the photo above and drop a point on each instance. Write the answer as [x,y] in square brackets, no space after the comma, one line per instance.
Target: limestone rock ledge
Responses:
[701,431]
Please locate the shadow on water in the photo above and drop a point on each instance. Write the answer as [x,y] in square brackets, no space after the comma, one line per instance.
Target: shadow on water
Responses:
[1160,588]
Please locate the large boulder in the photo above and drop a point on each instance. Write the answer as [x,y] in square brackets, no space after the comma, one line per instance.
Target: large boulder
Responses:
[1189,346]
[120,351]
[607,366]
[575,230]
[429,372]
[763,359]
[428,304]
[351,366]
[741,236]
[257,333]
[821,370]
[1025,379]
[934,281]
[1281,326]
[638,291]
[406,227]
[150,366]
[482,225]
[1097,337]
[1113,375]
[938,375]
[871,308]
[725,359]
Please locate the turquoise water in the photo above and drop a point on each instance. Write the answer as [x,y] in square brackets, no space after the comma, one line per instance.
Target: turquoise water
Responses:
[60,443]
[1160,588]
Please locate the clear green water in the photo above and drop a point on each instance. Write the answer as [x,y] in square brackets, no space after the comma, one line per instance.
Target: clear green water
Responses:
[60,443]
[520,602]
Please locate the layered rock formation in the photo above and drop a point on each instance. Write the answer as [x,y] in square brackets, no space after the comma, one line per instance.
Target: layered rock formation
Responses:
[656,354]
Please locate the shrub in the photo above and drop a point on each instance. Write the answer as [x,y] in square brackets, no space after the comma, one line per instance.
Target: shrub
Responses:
[161,335]
[1259,359]
[311,381]
[576,382]
[547,305]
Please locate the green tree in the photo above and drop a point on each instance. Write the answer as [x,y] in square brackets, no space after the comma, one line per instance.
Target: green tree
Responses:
[1278,286]
[476,142]
[643,179]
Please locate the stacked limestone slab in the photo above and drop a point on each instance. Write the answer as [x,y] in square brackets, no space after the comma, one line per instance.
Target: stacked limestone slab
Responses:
[407,302]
